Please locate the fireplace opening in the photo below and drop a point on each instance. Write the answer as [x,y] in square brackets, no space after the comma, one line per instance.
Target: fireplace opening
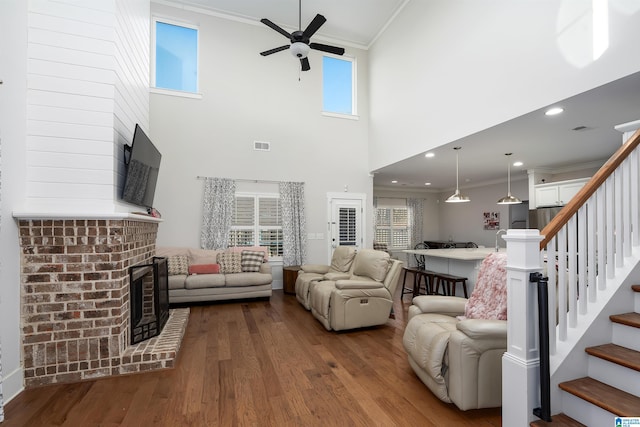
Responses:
[149,299]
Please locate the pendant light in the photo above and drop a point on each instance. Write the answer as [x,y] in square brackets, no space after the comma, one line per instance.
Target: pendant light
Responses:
[457,197]
[509,199]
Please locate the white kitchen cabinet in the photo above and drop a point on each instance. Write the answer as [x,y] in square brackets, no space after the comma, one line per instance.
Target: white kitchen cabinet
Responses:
[558,193]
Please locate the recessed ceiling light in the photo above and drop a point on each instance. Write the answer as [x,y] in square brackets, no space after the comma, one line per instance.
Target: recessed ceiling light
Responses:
[553,111]
[518,164]
[427,183]
[429,155]
[394,181]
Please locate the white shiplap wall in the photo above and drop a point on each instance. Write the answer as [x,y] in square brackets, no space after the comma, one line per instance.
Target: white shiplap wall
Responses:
[132,79]
[87,86]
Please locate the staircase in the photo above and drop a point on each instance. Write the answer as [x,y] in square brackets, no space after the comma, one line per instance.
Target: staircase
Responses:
[613,385]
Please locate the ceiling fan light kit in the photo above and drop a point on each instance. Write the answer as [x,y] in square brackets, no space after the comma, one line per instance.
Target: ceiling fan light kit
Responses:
[299,49]
[300,40]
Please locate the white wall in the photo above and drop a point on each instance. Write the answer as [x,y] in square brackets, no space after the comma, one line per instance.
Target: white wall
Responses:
[13,70]
[446,69]
[465,221]
[131,85]
[247,97]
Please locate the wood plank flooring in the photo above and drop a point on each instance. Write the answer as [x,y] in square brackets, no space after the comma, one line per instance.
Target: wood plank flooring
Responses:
[258,363]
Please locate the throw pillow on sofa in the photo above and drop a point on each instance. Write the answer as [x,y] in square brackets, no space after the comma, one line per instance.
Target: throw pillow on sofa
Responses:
[230,262]
[251,261]
[204,269]
[178,264]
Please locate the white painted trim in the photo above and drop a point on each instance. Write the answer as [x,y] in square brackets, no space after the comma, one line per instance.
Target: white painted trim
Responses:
[12,384]
[80,215]
[152,60]
[340,116]
[251,21]
[179,93]
[362,198]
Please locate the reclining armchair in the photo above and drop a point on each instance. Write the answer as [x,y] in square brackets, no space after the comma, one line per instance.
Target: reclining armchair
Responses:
[340,268]
[455,345]
[364,299]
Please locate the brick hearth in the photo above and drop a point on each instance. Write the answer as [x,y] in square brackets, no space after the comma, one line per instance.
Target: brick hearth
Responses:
[75,300]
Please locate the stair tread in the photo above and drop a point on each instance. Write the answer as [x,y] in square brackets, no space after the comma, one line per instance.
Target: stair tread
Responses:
[635,288]
[629,319]
[559,420]
[618,402]
[617,354]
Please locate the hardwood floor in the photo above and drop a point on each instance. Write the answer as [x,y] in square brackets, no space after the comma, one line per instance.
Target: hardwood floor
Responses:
[258,363]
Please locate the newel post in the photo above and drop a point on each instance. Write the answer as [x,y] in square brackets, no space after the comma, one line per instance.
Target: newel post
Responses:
[520,363]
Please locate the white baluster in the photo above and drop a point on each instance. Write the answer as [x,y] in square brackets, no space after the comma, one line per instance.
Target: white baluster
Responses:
[572,283]
[602,238]
[619,227]
[592,244]
[611,232]
[635,210]
[582,260]
[553,292]
[562,283]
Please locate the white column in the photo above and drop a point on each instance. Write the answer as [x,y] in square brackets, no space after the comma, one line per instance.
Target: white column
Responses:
[520,364]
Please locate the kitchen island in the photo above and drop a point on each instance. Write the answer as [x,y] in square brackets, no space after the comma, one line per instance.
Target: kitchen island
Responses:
[463,262]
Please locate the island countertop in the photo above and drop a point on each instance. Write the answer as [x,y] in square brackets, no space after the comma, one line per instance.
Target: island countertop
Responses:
[462,254]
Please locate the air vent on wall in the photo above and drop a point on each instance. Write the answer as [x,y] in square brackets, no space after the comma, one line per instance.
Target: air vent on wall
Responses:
[261,146]
[581,128]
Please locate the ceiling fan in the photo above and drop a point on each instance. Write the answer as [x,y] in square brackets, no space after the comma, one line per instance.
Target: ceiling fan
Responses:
[300,40]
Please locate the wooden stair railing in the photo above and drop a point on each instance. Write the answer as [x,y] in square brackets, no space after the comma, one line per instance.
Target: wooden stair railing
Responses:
[571,208]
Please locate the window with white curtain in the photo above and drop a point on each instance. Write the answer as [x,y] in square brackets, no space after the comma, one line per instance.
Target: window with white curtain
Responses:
[392,226]
[257,221]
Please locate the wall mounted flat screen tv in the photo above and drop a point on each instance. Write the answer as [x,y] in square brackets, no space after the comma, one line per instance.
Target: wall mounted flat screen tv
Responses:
[142,161]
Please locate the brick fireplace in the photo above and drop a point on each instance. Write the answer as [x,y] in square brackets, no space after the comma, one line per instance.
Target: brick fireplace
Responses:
[75,300]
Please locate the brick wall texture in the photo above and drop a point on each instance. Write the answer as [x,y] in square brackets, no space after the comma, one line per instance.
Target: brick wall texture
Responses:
[75,295]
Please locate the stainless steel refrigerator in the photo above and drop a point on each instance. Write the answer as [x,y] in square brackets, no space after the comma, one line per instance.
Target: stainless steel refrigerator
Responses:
[540,217]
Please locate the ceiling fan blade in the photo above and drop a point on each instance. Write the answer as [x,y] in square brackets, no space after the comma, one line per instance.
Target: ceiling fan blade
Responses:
[314,25]
[305,64]
[326,48]
[274,50]
[273,26]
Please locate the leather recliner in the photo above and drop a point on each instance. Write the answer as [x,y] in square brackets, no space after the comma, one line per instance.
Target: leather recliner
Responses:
[455,345]
[340,268]
[364,299]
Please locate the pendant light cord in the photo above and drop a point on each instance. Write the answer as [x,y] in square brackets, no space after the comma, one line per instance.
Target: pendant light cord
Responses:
[508,177]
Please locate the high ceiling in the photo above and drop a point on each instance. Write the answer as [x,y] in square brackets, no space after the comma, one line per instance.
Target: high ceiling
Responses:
[354,22]
[535,139]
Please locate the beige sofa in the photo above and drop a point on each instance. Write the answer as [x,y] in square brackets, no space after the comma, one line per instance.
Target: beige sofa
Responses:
[233,281]
[363,299]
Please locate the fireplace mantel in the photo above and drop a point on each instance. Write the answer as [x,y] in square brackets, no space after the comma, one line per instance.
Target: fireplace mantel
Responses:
[138,216]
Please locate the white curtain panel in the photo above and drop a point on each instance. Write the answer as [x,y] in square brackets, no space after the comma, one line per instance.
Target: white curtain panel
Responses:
[217,212]
[416,212]
[294,224]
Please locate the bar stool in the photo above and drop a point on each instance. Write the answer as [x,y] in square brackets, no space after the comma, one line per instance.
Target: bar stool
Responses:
[412,289]
[449,282]
[418,275]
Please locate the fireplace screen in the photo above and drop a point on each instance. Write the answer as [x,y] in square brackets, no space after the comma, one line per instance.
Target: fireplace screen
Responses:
[149,299]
